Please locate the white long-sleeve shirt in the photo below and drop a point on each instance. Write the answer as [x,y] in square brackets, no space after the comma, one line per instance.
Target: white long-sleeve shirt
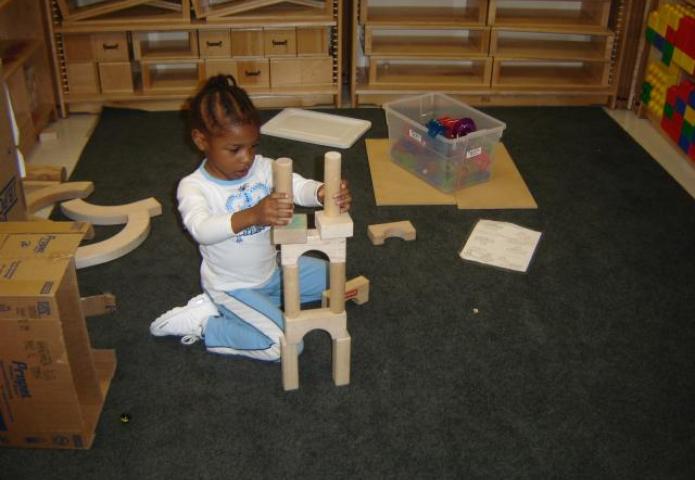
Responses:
[231,259]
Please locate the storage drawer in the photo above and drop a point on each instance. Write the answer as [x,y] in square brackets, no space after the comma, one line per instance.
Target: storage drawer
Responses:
[172,45]
[215,67]
[214,43]
[116,77]
[313,41]
[172,76]
[82,78]
[253,73]
[77,48]
[110,47]
[474,72]
[247,42]
[280,42]
[301,71]
[415,41]
[545,74]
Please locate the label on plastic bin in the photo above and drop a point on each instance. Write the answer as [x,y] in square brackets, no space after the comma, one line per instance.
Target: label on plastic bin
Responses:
[474,152]
[414,135]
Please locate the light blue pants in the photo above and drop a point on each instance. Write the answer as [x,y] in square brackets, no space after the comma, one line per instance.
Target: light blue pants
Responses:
[250,322]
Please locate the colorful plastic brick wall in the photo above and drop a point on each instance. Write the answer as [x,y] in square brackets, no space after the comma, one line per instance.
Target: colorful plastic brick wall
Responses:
[671,29]
[679,116]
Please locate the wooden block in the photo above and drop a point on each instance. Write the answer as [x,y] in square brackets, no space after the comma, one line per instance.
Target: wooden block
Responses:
[294,232]
[46,173]
[80,210]
[48,135]
[340,226]
[290,365]
[379,232]
[356,289]
[334,248]
[31,186]
[133,234]
[341,361]
[315,319]
[57,193]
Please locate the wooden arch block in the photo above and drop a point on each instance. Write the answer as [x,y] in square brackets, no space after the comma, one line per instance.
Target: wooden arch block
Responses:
[80,210]
[133,234]
[378,233]
[57,193]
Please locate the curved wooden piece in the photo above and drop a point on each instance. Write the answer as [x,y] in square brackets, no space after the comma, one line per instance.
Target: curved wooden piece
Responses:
[128,239]
[80,210]
[378,233]
[46,173]
[57,193]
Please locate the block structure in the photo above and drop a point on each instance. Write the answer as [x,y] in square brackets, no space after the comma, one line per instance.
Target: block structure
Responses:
[329,239]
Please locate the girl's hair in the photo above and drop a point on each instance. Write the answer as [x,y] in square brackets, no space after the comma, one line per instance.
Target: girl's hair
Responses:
[220,104]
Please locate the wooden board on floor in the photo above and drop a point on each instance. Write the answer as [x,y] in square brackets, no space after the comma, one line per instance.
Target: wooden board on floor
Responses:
[505,190]
[394,185]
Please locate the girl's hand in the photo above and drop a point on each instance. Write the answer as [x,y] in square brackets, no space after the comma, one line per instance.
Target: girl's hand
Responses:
[274,210]
[343,198]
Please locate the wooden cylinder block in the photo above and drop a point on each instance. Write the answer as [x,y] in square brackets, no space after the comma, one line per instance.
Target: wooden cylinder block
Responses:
[337,287]
[283,176]
[331,183]
[291,290]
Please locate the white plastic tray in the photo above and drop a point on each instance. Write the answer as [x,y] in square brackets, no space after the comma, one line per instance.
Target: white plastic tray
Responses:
[316,127]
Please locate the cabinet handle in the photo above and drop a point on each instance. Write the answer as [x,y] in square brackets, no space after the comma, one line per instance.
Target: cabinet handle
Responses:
[214,44]
[252,74]
[109,46]
[277,43]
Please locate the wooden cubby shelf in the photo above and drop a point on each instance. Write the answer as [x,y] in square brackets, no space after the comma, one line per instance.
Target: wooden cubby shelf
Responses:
[497,52]
[444,42]
[289,52]
[571,15]
[119,12]
[424,16]
[15,53]
[519,74]
[577,46]
[440,73]
[165,45]
[171,76]
[27,71]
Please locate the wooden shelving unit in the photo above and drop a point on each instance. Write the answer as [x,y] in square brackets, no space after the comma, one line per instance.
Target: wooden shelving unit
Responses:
[26,67]
[283,53]
[505,52]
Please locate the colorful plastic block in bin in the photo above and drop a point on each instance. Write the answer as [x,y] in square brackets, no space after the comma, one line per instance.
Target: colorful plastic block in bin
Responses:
[448,164]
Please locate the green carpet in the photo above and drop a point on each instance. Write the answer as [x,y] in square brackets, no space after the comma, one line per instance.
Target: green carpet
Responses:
[581,368]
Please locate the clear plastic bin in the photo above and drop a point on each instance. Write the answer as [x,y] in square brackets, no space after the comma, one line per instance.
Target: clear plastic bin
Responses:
[447,164]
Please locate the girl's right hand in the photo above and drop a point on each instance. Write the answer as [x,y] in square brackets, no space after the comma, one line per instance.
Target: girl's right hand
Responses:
[274,210]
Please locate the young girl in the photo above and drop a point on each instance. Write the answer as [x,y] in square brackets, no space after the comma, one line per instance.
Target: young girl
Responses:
[227,205]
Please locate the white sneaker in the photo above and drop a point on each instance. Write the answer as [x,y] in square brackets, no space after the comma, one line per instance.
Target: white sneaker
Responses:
[187,322]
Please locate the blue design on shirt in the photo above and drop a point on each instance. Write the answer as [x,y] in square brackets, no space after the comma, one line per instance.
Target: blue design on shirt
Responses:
[246,197]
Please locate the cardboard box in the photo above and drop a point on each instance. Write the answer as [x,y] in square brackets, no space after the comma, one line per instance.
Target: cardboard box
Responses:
[52,383]
[12,202]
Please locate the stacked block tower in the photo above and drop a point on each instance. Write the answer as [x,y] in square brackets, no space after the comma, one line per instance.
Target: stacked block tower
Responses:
[668,97]
[329,237]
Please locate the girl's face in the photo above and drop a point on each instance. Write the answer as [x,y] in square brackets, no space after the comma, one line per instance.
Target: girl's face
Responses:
[229,153]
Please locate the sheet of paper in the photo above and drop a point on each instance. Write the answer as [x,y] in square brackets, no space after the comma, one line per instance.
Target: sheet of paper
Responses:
[501,244]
